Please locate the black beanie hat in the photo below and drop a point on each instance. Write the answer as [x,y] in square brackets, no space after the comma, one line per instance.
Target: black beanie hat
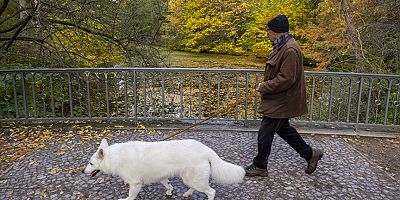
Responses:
[279,24]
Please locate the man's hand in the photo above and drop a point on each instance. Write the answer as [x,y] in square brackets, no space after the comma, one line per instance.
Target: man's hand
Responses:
[258,87]
[262,87]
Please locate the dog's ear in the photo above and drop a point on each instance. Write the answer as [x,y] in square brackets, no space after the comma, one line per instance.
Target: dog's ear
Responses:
[101,154]
[103,143]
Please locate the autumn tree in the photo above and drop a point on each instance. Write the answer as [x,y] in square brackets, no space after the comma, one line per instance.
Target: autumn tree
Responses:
[356,36]
[255,40]
[227,27]
[80,33]
[378,28]
[207,26]
[323,37]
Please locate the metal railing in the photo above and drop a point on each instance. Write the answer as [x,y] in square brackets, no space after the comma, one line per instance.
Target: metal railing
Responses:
[188,94]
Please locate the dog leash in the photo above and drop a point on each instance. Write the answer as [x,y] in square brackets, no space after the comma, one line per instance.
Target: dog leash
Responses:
[228,111]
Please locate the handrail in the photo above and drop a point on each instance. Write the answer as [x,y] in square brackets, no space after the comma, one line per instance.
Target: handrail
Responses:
[154,69]
[188,93]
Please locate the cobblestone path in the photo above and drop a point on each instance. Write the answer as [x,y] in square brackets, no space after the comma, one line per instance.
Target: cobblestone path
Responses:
[343,172]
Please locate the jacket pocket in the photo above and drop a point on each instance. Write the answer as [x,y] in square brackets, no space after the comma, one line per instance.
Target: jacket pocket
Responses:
[270,68]
[270,63]
[272,96]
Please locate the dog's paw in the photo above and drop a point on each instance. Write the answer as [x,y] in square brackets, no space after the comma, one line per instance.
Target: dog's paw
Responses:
[188,193]
[169,190]
[168,193]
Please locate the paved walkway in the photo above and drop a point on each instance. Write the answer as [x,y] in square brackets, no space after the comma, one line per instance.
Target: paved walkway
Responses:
[343,173]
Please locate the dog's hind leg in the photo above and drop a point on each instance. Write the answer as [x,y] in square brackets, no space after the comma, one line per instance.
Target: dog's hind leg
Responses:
[134,189]
[167,186]
[201,187]
[197,179]
[209,192]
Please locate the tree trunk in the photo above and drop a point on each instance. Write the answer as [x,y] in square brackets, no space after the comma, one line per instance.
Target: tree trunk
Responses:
[353,35]
[23,14]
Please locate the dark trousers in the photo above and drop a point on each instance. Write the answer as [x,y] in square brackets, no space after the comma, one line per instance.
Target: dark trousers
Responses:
[268,128]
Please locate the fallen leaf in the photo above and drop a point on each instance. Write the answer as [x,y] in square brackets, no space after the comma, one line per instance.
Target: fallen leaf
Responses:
[9,193]
[73,170]
[55,171]
[60,152]
[42,194]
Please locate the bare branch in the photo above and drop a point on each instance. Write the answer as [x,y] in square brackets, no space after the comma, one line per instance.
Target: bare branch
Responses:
[3,6]
[23,39]
[18,32]
[14,26]
[11,16]
[91,31]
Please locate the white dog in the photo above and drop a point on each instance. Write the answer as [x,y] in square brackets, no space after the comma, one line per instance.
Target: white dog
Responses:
[139,163]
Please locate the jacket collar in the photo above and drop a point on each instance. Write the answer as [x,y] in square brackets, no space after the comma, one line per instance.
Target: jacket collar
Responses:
[279,43]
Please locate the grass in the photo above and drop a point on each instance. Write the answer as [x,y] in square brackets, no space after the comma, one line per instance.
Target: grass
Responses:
[204,60]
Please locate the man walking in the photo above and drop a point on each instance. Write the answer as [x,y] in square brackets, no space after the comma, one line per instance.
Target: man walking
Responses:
[283,96]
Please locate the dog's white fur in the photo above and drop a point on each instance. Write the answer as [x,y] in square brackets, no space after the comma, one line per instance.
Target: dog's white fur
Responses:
[139,163]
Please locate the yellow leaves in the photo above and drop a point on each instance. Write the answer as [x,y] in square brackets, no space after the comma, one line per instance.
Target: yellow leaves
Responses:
[55,171]
[21,141]
[229,27]
[73,170]
[70,170]
[204,25]
[32,162]
[140,126]
[61,152]
[86,48]
[43,194]
[9,193]
[152,131]
[395,140]
[31,146]
[354,141]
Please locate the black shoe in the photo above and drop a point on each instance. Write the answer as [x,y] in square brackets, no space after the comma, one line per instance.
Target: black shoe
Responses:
[252,170]
[313,162]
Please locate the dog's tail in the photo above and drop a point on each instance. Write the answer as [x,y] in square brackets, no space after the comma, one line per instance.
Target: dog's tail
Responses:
[225,172]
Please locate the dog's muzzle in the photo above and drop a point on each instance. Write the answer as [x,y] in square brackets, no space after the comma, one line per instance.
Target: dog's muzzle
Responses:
[94,173]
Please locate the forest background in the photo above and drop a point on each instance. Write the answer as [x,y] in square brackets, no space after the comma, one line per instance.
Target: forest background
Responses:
[335,35]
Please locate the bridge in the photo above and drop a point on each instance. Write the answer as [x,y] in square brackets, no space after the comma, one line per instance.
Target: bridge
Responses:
[64,113]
